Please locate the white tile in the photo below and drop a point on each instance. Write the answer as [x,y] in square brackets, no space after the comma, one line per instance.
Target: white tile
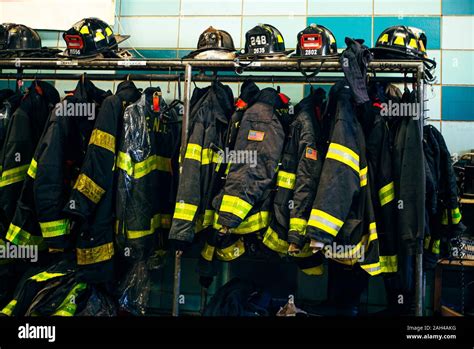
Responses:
[457,32]
[340,7]
[275,7]
[436,56]
[458,136]
[407,7]
[150,32]
[289,27]
[458,67]
[192,27]
[211,7]
[435,123]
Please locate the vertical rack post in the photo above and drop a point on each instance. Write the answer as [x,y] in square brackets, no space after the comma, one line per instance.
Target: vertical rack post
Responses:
[419,299]
[188,74]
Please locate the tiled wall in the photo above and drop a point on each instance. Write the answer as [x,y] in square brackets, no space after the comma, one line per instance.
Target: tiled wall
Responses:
[170,28]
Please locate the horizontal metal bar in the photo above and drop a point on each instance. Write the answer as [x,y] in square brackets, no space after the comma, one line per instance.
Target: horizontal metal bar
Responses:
[196,77]
[287,64]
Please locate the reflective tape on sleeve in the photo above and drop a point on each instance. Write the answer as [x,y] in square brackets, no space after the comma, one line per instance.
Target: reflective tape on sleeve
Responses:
[45,276]
[273,241]
[184,211]
[208,252]
[210,156]
[89,188]
[231,252]
[345,155]
[455,215]
[372,233]
[13,175]
[102,253]
[286,180]
[103,139]
[9,308]
[389,264]
[373,269]
[325,222]
[193,152]
[387,193]
[153,163]
[124,162]
[55,228]
[235,205]
[363,177]
[68,306]
[298,224]
[32,169]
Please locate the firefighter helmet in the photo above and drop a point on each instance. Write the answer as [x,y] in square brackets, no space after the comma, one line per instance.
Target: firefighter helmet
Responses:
[316,41]
[214,43]
[401,41]
[20,40]
[91,37]
[264,40]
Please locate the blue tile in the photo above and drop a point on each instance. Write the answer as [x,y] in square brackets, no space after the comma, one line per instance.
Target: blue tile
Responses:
[158,53]
[458,103]
[431,26]
[458,7]
[49,38]
[354,27]
[149,8]
[150,32]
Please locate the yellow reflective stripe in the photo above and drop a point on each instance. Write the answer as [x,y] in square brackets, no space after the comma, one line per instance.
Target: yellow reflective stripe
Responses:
[387,193]
[153,163]
[205,220]
[103,139]
[95,254]
[208,252]
[210,156]
[389,264]
[99,36]
[325,222]
[84,29]
[273,241]
[306,251]
[298,224]
[235,205]
[231,252]
[19,236]
[13,175]
[444,217]
[68,305]
[55,228]
[89,188]
[318,270]
[251,224]
[44,276]
[8,309]
[372,233]
[373,269]
[435,248]
[141,169]
[228,168]
[455,215]
[193,152]
[155,223]
[32,169]
[124,162]
[286,180]
[363,177]
[343,154]
[184,211]
[427,241]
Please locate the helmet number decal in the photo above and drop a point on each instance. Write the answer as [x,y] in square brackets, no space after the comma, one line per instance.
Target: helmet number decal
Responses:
[310,44]
[258,44]
[74,44]
[258,40]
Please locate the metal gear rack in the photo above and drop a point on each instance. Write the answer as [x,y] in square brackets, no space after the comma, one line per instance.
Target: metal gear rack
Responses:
[183,70]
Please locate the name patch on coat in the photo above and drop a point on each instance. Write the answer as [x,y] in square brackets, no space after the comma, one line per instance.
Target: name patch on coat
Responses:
[256,135]
[311,153]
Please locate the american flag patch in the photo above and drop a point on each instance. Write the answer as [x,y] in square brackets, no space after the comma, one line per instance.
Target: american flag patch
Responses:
[311,153]
[256,135]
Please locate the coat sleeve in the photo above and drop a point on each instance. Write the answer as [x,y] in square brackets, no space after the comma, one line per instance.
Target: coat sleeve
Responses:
[97,172]
[49,183]
[341,180]
[188,197]
[260,138]
[308,173]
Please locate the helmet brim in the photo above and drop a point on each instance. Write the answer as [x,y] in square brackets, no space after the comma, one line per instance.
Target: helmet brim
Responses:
[331,56]
[121,38]
[194,53]
[383,52]
[276,55]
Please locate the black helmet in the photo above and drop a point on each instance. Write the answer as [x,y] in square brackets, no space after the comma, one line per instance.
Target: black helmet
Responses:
[214,43]
[90,37]
[316,41]
[264,40]
[20,40]
[401,41]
